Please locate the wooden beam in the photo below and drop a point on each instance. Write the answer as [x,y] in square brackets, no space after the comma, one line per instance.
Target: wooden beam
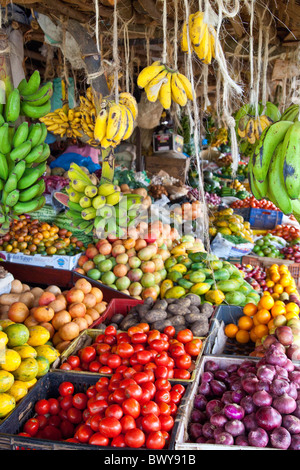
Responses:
[150,7]
[61,8]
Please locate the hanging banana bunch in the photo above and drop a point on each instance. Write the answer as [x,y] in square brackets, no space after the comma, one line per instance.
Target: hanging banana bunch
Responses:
[115,122]
[64,122]
[88,116]
[201,37]
[164,84]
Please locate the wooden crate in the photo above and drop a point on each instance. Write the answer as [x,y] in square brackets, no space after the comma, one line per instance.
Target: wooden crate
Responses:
[170,162]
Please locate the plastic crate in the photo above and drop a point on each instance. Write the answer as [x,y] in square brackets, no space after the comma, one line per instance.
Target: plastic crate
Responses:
[217,342]
[260,218]
[47,388]
[87,337]
[181,437]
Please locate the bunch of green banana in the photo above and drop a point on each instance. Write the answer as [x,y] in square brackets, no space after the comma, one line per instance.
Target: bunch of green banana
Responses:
[292,113]
[97,208]
[115,122]
[249,127]
[164,84]
[33,98]
[274,168]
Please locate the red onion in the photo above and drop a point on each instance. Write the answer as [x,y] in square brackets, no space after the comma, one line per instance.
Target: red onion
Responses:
[214,406]
[208,430]
[295,442]
[291,423]
[268,418]
[249,422]
[285,404]
[237,395]
[204,389]
[207,376]
[236,384]
[197,416]
[270,339]
[263,385]
[289,366]
[233,411]
[248,404]
[294,377]
[224,438]
[221,375]
[258,438]
[249,384]
[200,402]
[241,441]
[266,372]
[235,427]
[227,397]
[210,441]
[217,431]
[201,440]
[279,386]
[232,368]
[211,366]
[195,430]
[292,391]
[218,419]
[293,352]
[281,372]
[217,387]
[280,438]
[262,398]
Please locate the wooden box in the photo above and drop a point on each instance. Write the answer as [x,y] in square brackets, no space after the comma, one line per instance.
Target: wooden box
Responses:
[173,163]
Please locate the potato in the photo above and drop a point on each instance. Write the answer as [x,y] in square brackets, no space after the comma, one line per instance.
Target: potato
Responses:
[27,298]
[185,303]
[161,304]
[194,298]
[177,320]
[127,322]
[155,315]
[177,309]
[142,310]
[4,310]
[194,309]
[9,299]
[200,328]
[117,318]
[193,317]
[207,310]
[160,325]
[149,301]
[16,287]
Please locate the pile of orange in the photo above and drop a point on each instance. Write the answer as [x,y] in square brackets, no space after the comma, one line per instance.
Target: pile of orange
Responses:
[280,280]
[257,321]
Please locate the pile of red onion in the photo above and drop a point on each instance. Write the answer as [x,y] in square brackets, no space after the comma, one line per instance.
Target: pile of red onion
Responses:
[254,403]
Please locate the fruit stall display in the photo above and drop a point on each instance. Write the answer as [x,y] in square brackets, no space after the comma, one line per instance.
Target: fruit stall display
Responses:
[231,225]
[269,246]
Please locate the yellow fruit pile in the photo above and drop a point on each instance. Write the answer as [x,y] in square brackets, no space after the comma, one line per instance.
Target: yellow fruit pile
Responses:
[279,280]
[228,223]
[261,320]
[24,358]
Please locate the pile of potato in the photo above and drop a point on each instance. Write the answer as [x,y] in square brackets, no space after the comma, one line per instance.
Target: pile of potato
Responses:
[181,313]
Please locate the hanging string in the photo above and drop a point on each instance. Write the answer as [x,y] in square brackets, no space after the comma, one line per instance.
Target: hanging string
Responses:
[115,53]
[164,55]
[265,66]
[176,34]
[127,55]
[148,47]
[97,26]
[251,39]
[218,98]
[259,63]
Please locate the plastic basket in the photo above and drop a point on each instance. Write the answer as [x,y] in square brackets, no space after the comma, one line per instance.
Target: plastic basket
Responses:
[47,388]
[260,218]
[87,337]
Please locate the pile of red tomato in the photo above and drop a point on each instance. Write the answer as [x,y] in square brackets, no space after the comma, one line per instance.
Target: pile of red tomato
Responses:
[252,202]
[168,354]
[288,232]
[130,409]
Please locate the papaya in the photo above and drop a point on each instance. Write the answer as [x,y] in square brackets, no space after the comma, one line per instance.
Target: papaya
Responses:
[17,333]
[165,286]
[221,275]
[253,297]
[7,404]
[197,276]
[228,286]
[197,266]
[38,335]
[185,283]
[43,366]
[245,288]
[18,390]
[25,351]
[180,268]
[235,298]
[47,351]
[175,292]
[27,370]
[174,276]
[200,288]
[170,262]
[216,265]
[6,380]
[11,360]
[216,297]
[209,281]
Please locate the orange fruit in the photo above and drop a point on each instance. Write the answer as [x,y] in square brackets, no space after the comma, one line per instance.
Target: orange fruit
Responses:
[292,307]
[271,324]
[253,336]
[276,296]
[270,284]
[242,336]
[255,320]
[245,323]
[250,309]
[277,310]
[290,315]
[260,331]
[278,288]
[263,316]
[285,280]
[266,302]
[231,330]
[290,289]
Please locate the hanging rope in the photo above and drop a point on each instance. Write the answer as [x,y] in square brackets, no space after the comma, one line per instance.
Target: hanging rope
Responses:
[97,26]
[176,34]
[164,54]
[115,53]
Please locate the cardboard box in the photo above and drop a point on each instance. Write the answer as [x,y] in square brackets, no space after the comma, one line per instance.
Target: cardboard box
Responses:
[56,261]
[165,142]
[175,164]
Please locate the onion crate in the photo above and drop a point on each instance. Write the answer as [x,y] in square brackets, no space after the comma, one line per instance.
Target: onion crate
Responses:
[182,437]
[87,337]
[46,388]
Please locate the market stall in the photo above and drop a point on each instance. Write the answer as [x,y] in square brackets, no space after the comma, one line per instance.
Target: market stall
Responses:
[149,225]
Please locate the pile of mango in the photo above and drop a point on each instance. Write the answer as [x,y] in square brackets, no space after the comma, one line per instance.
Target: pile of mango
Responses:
[203,274]
[228,223]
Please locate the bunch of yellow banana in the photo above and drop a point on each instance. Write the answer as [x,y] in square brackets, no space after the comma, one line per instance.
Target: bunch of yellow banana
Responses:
[64,122]
[164,84]
[250,127]
[201,37]
[221,137]
[115,122]
[88,116]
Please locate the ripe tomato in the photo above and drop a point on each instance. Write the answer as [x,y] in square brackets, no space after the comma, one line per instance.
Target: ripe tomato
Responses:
[119,396]
[159,345]
[110,339]
[175,396]
[141,377]
[164,408]
[155,440]
[105,370]
[52,433]
[103,357]
[43,421]
[66,402]
[101,348]
[193,348]
[151,422]
[176,350]
[134,391]
[134,438]
[152,335]
[65,366]
[150,407]
[66,388]
[31,426]
[170,331]
[184,336]
[103,382]
[80,401]
[96,405]
[127,422]
[139,337]
[123,338]
[133,330]
[74,361]
[74,415]
[110,427]
[125,350]
[67,429]
[183,362]
[88,354]
[113,361]
[94,366]
[149,386]
[129,372]
[91,391]
[110,330]
[145,327]
[179,388]
[163,384]
[118,441]
[42,407]
[146,396]
[97,439]
[131,407]
[138,347]
[167,422]
[143,357]
[54,420]
[161,359]
[114,411]
[83,433]
[162,395]
[95,420]
[183,374]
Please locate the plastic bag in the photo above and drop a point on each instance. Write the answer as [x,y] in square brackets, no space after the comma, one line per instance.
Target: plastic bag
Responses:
[225,249]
